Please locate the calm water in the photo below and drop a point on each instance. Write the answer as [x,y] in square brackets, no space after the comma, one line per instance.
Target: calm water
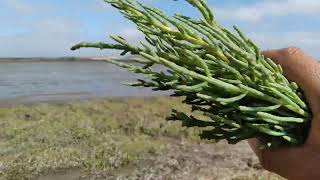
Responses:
[45,81]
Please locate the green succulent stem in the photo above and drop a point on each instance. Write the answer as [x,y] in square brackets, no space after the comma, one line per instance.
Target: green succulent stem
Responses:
[220,73]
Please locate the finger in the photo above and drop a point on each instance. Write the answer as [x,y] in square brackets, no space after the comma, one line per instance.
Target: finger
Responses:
[302,69]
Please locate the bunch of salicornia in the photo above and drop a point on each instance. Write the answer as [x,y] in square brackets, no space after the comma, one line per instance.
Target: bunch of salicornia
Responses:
[241,93]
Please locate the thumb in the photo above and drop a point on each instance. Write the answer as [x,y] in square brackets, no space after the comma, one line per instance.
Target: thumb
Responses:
[302,69]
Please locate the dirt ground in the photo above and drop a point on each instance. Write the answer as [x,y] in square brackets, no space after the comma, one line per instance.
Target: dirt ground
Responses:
[189,162]
[201,161]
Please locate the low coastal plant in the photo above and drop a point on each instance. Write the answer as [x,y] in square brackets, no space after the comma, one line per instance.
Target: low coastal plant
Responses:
[221,73]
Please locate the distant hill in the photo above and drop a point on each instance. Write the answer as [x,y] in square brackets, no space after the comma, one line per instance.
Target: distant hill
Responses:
[40,58]
[36,59]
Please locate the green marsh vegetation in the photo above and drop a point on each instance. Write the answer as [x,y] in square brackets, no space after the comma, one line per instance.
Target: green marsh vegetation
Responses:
[122,138]
[95,136]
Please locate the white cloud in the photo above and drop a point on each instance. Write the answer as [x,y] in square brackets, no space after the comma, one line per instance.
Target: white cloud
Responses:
[267,8]
[19,5]
[24,7]
[54,36]
[309,41]
[51,37]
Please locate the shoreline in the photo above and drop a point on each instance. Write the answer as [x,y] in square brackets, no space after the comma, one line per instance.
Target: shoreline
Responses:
[11,61]
[14,102]
[55,60]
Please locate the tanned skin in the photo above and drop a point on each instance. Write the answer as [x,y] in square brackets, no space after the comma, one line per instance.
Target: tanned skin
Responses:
[300,163]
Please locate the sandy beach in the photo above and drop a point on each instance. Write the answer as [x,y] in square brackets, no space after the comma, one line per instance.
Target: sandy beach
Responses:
[114,138]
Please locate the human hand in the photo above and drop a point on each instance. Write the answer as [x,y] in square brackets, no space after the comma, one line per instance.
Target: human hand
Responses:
[299,162]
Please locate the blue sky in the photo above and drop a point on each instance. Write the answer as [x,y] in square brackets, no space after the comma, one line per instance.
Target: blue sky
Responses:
[33,28]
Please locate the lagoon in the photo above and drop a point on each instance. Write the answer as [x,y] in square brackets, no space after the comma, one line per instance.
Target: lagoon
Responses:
[57,80]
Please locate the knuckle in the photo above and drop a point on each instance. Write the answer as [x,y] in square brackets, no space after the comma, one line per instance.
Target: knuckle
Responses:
[292,51]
